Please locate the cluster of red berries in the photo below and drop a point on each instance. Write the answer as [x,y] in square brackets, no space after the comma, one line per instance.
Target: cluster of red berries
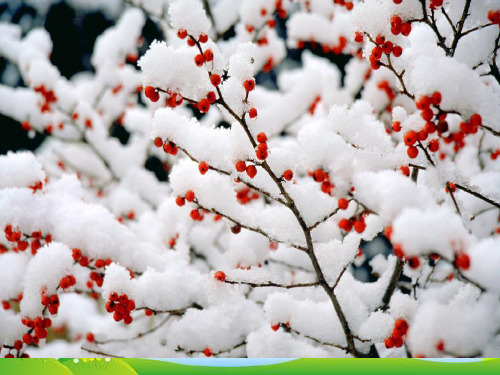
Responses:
[494,17]
[50,302]
[18,345]
[250,169]
[38,331]
[396,339]
[400,27]
[168,147]
[246,195]
[48,95]
[67,282]
[320,176]
[23,241]
[358,223]
[121,307]
[191,41]
[189,196]
[261,152]
[383,47]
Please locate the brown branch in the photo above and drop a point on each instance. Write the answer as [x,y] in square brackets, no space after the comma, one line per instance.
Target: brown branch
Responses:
[478,195]
[139,335]
[318,341]
[460,27]
[272,284]
[307,233]
[325,218]
[191,352]
[393,283]
[253,229]
[99,352]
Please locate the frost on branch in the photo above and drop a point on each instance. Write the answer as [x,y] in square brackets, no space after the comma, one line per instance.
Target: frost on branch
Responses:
[315,178]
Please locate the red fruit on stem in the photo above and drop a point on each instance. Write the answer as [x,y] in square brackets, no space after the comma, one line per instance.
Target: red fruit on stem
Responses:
[190,196]
[288,175]
[220,276]
[240,166]
[252,113]
[249,85]
[151,93]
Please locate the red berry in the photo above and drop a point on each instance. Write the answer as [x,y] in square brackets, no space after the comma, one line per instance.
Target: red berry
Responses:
[211,97]
[130,305]
[151,93]
[190,195]
[288,175]
[158,142]
[436,98]
[220,276]
[181,33]
[240,166]
[203,38]
[397,51]
[261,137]
[359,226]
[410,138]
[90,337]
[462,261]
[215,79]
[47,323]
[389,343]
[195,214]
[412,152]
[180,201]
[203,167]
[358,37]
[261,154]
[476,120]
[252,113]
[148,312]
[204,105]
[398,342]
[208,352]
[127,320]
[208,55]
[27,338]
[405,170]
[433,145]
[414,262]
[401,326]
[41,333]
[319,175]
[199,60]
[396,126]
[251,171]
[406,29]
[235,229]
[249,85]
[18,345]
[275,327]
[343,203]
[427,114]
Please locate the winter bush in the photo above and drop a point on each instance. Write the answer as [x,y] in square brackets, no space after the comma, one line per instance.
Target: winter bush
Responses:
[273,192]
